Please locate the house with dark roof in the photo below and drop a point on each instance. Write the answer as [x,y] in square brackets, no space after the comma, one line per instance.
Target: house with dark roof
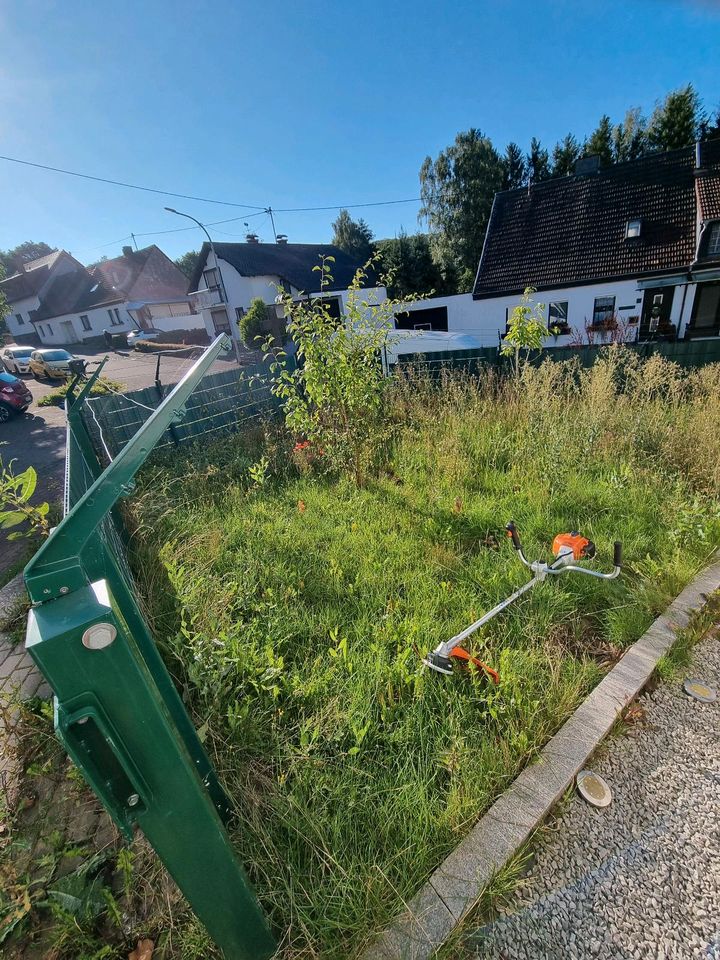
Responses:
[60,301]
[24,290]
[228,276]
[633,248]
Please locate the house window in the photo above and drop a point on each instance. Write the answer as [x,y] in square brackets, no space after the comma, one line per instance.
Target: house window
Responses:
[117,317]
[19,318]
[632,229]
[713,247]
[220,321]
[212,282]
[110,314]
[40,330]
[603,309]
[84,320]
[49,330]
[558,314]
[239,314]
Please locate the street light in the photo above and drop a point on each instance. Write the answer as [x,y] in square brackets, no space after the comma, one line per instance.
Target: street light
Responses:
[220,276]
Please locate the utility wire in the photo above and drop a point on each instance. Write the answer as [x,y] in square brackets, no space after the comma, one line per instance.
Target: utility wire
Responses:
[130,186]
[185,196]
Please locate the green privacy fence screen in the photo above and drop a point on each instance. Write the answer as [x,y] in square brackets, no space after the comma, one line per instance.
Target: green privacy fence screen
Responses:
[688,353]
[117,711]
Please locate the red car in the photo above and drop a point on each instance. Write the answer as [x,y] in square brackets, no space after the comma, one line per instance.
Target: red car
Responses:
[14,396]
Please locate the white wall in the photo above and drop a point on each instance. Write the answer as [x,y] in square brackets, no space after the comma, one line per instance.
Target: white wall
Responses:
[464,316]
[23,307]
[189,321]
[53,332]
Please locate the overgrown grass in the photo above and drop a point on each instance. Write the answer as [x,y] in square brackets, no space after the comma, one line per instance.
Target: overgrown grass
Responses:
[102,386]
[296,607]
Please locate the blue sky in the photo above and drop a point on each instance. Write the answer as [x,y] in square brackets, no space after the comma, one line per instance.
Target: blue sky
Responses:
[293,104]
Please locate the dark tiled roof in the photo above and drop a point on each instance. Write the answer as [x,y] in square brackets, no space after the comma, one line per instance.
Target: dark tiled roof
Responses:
[72,293]
[22,285]
[292,262]
[572,230]
[122,272]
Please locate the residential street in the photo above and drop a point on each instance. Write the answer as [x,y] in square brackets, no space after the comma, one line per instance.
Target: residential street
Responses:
[37,438]
[641,878]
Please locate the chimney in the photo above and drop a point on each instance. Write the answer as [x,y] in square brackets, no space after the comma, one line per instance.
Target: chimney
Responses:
[699,162]
[252,238]
[127,251]
[587,166]
[281,238]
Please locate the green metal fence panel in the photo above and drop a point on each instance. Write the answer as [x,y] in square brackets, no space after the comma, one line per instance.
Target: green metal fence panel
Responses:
[117,710]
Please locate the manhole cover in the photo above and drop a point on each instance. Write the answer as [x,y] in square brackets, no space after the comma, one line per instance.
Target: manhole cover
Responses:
[699,690]
[593,788]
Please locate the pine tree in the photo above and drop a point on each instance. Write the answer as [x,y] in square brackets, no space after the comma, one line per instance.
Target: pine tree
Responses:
[515,168]
[564,156]
[538,162]
[353,236]
[675,122]
[629,138]
[600,142]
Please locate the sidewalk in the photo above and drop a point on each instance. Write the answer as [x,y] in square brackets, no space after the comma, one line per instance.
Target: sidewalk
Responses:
[19,678]
[640,879]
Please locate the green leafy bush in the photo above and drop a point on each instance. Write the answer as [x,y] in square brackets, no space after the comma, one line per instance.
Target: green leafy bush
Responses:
[16,510]
[102,386]
[253,322]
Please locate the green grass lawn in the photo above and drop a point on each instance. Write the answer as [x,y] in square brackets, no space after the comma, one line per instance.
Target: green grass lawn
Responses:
[296,611]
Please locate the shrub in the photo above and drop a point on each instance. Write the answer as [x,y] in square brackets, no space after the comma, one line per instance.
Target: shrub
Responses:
[102,386]
[253,322]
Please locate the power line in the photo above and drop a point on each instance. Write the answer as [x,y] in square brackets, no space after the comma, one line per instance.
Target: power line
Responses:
[154,233]
[185,196]
[130,186]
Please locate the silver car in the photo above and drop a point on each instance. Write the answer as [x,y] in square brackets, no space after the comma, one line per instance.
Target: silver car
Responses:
[17,359]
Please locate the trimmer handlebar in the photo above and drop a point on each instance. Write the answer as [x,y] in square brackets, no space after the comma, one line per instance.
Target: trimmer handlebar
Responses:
[512,532]
[617,555]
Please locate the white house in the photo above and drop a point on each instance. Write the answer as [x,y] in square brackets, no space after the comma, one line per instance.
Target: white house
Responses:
[630,251]
[229,276]
[62,302]
[23,290]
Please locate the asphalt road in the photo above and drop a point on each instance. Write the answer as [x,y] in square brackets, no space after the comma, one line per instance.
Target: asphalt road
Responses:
[37,438]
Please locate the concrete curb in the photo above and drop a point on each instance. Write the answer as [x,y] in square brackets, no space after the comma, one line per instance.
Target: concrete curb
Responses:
[452,890]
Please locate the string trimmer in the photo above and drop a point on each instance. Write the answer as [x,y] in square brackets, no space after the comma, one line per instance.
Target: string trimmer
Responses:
[568,549]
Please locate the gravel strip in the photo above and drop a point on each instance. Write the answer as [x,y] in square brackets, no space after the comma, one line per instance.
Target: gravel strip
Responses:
[641,878]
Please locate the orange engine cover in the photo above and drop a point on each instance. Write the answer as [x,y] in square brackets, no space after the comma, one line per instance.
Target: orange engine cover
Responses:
[581,547]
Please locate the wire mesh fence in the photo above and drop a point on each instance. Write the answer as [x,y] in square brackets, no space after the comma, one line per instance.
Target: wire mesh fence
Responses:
[222,402]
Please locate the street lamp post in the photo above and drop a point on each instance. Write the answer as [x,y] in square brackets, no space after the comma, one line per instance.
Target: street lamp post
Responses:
[220,276]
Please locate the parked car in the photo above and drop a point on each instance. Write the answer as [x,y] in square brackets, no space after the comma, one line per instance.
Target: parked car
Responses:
[50,363]
[17,359]
[135,335]
[14,396]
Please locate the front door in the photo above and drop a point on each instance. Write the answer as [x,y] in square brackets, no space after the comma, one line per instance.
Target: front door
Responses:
[657,305]
[68,332]
[705,319]
[655,319]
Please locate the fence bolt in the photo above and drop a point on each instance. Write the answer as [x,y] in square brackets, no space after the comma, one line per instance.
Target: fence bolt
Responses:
[133,800]
[98,636]
[64,589]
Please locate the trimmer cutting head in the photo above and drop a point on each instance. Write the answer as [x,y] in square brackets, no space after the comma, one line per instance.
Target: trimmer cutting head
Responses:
[436,661]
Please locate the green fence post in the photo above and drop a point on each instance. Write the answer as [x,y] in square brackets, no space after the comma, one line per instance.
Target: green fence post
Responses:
[117,711]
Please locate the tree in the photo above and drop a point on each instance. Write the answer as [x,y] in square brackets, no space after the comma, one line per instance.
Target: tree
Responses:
[629,138]
[457,190]
[675,122]
[538,162]
[252,323]
[564,156]
[711,127]
[332,397]
[187,262]
[354,237]
[514,167]
[408,265]
[12,259]
[600,142]
[526,330]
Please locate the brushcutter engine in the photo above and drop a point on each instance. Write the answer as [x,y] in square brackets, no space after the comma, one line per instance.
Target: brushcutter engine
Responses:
[568,549]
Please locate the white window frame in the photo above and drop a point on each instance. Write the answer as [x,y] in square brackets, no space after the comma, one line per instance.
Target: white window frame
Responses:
[713,247]
[20,319]
[85,321]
